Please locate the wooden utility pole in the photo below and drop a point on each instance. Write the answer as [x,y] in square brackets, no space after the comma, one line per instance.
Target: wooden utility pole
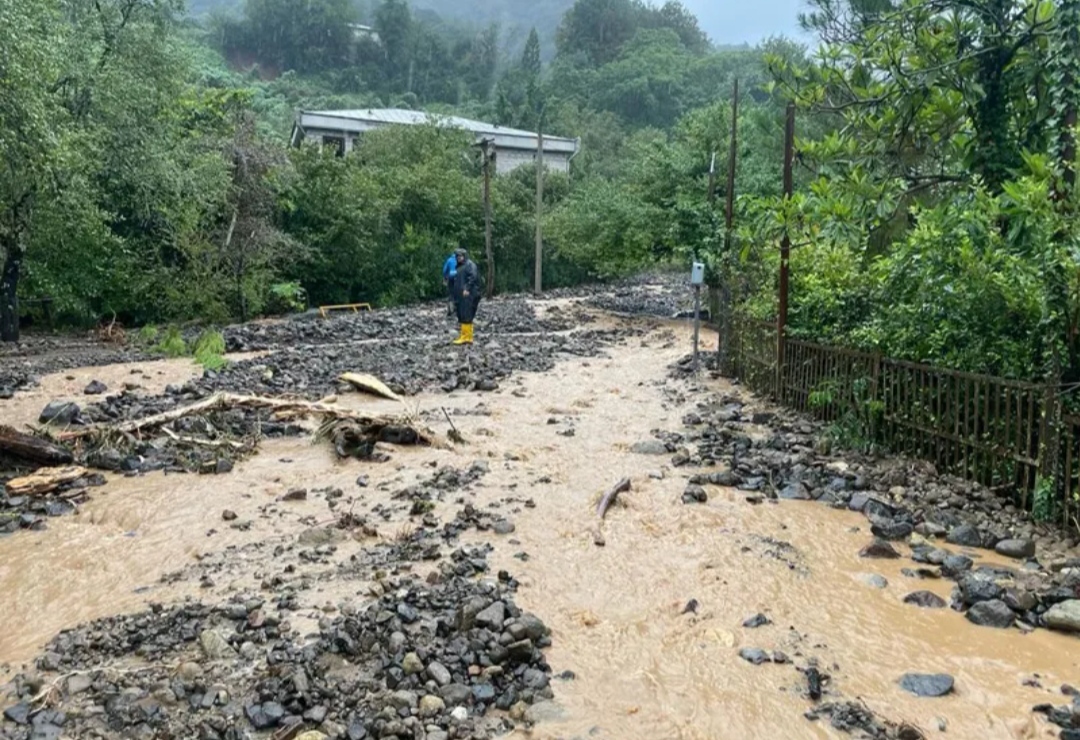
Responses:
[727,260]
[785,247]
[538,279]
[489,157]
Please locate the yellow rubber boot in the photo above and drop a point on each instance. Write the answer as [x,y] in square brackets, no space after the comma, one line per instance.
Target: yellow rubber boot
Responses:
[461,335]
[468,333]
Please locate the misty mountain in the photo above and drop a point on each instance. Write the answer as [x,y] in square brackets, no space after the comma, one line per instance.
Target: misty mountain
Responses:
[724,22]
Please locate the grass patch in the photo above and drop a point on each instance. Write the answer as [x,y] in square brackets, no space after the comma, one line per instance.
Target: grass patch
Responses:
[210,350]
[172,343]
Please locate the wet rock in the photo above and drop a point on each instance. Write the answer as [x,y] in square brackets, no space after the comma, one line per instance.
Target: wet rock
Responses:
[927,684]
[492,617]
[757,656]
[930,529]
[993,613]
[891,529]
[966,535]
[1064,616]
[953,565]
[439,673]
[214,646]
[228,515]
[430,706]
[503,526]
[19,713]
[925,599]
[412,664]
[976,587]
[1019,549]
[59,412]
[455,694]
[1019,600]
[649,447]
[880,549]
[795,492]
[694,494]
[534,628]
[758,620]
[295,494]
[95,388]
[873,580]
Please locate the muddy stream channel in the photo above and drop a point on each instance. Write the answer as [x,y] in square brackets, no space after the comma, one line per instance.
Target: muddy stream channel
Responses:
[645,666]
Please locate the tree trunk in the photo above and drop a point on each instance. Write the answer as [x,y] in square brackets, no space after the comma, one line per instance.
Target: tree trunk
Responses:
[9,301]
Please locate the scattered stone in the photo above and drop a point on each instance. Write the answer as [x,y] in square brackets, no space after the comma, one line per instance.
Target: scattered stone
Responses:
[925,599]
[95,388]
[927,684]
[295,494]
[228,515]
[873,580]
[758,620]
[1064,616]
[59,412]
[1018,549]
[214,646]
[649,447]
[757,656]
[694,494]
[992,613]
[880,549]
[965,535]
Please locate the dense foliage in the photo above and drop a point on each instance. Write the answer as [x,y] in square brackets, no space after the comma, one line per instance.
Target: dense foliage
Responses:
[145,168]
[148,174]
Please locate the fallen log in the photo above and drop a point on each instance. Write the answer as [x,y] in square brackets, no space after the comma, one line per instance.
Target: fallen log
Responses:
[44,481]
[232,400]
[33,449]
[611,495]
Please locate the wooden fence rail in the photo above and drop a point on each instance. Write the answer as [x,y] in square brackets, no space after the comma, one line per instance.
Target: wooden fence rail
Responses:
[996,431]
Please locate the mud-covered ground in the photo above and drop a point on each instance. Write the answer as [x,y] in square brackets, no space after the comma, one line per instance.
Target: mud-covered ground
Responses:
[752,581]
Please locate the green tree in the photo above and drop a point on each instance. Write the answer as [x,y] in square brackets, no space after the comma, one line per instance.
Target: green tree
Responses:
[530,57]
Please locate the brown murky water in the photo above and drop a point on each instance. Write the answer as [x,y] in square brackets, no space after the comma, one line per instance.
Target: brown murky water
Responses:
[644,671]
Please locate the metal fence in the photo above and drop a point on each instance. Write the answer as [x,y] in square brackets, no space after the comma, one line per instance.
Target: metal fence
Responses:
[1006,434]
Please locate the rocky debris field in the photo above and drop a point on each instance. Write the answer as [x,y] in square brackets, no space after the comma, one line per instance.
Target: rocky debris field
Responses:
[407,366]
[404,356]
[427,658]
[499,316]
[23,363]
[940,522]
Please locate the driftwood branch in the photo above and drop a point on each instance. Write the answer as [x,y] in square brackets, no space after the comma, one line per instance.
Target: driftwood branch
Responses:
[233,400]
[32,449]
[611,495]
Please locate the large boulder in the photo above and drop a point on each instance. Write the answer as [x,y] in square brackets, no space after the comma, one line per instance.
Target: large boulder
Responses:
[59,412]
[1064,616]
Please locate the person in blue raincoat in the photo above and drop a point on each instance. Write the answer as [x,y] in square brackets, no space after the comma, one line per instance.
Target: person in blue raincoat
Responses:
[449,272]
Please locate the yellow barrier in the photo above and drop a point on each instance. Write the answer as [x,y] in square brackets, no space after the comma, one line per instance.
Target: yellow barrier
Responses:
[323,310]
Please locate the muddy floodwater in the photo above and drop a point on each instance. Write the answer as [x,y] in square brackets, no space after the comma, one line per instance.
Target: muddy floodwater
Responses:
[644,669]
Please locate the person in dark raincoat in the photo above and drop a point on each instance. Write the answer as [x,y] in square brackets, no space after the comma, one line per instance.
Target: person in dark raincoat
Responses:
[467,292]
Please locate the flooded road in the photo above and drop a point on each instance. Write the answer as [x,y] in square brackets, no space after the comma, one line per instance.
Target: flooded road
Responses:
[644,670]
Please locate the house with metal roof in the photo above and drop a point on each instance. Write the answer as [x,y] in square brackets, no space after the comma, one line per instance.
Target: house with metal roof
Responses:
[513,147]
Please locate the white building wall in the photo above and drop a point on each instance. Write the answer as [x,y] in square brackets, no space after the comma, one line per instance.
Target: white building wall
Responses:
[508,160]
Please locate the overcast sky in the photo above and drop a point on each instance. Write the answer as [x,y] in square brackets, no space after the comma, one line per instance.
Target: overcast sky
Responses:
[736,21]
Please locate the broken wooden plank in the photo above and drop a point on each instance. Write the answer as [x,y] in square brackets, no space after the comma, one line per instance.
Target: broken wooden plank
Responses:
[611,495]
[369,384]
[33,449]
[44,481]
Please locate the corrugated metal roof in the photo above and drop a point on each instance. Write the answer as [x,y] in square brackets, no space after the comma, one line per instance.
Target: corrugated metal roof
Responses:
[414,117]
